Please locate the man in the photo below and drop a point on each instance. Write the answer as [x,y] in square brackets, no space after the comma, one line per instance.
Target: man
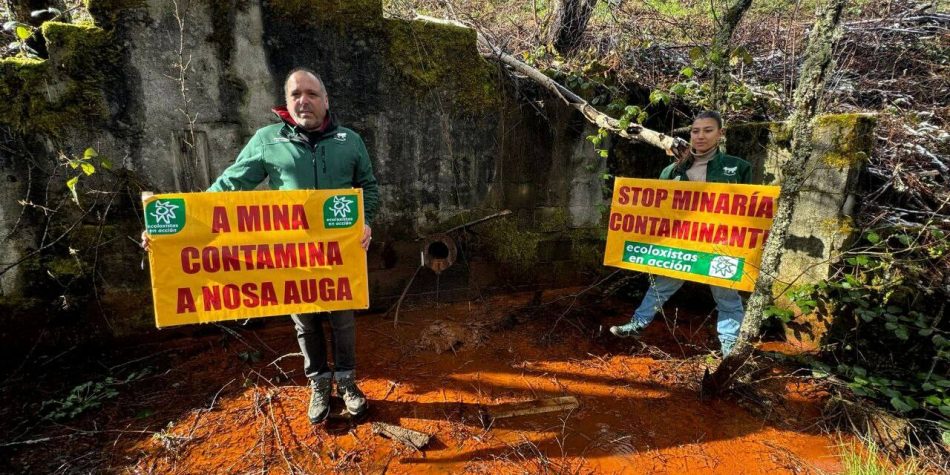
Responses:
[703,162]
[309,150]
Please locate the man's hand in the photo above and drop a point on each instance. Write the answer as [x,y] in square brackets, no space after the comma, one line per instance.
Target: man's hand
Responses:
[367,237]
[146,240]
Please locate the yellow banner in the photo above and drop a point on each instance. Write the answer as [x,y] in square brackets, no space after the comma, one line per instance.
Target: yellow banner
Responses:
[703,232]
[236,255]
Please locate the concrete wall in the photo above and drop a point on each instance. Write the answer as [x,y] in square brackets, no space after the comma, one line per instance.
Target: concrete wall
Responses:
[451,139]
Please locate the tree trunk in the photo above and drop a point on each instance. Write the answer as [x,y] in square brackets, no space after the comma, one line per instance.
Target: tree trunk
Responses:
[819,62]
[720,51]
[568,22]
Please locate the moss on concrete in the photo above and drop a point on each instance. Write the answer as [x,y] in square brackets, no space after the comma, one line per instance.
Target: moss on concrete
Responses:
[339,13]
[587,247]
[844,140]
[552,219]
[513,247]
[64,91]
[442,57]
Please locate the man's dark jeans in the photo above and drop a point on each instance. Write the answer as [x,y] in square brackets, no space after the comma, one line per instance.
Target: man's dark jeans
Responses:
[313,344]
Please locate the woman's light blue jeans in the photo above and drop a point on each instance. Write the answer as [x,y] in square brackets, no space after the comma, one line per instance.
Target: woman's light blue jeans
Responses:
[728,302]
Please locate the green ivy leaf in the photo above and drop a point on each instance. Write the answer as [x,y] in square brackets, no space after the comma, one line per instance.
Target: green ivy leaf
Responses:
[106,163]
[23,32]
[695,53]
[688,72]
[88,168]
[900,405]
[873,237]
[71,184]
[658,96]
[89,153]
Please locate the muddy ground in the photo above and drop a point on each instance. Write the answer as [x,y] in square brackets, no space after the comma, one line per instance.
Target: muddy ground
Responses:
[232,399]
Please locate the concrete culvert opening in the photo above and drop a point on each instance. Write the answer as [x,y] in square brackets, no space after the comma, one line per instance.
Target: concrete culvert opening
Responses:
[439,252]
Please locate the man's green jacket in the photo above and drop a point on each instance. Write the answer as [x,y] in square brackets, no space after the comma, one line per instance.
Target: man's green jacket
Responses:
[721,169]
[335,158]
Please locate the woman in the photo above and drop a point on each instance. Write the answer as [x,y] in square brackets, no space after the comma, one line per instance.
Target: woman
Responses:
[703,162]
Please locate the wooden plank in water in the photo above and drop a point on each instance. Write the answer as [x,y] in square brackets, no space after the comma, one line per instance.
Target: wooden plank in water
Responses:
[536,406]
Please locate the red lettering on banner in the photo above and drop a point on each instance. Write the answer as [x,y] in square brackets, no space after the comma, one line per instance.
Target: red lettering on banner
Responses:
[614,222]
[188,255]
[211,297]
[264,260]
[315,250]
[722,204]
[664,230]
[640,226]
[232,296]
[285,256]
[326,290]
[737,237]
[706,231]
[682,199]
[186,301]
[210,259]
[268,294]
[219,220]
[754,237]
[291,293]
[722,234]
[706,202]
[765,208]
[271,218]
[249,290]
[229,258]
[334,256]
[622,196]
[343,291]
[681,229]
[313,290]
[299,218]
[249,218]
[738,205]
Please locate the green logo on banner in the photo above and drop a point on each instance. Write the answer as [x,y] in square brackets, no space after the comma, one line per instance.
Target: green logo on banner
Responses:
[340,211]
[165,216]
[684,260]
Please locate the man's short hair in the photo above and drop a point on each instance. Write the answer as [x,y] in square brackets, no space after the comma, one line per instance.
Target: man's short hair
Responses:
[301,69]
[703,115]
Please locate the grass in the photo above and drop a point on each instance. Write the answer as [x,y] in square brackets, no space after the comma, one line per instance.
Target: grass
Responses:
[868,459]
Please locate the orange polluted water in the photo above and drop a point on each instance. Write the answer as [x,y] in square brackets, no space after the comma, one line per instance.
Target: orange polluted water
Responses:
[637,413]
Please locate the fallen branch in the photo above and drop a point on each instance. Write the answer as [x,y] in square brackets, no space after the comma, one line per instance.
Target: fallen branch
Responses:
[672,145]
[537,406]
[410,438]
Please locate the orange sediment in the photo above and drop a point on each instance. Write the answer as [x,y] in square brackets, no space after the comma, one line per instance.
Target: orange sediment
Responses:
[639,412]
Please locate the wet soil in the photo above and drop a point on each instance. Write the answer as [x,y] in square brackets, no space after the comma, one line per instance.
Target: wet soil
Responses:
[233,400]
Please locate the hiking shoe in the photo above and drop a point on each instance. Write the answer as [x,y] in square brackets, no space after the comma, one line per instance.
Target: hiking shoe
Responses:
[353,398]
[628,330]
[319,407]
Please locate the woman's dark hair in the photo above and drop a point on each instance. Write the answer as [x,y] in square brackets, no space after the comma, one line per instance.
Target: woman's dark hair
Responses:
[709,115]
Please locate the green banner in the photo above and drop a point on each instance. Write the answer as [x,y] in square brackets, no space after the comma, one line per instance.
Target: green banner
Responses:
[684,260]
